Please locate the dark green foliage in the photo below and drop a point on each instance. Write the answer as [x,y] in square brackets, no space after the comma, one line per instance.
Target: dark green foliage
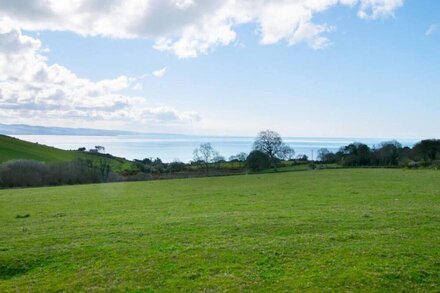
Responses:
[257,161]
[428,150]
[356,154]
[176,167]
[22,173]
[389,154]
[325,156]
[156,166]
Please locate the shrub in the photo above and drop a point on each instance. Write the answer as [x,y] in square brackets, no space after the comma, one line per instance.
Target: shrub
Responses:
[257,161]
[176,167]
[18,173]
[22,173]
[436,164]
[78,171]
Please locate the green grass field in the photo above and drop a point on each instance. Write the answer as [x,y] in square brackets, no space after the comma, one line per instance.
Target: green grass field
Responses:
[12,149]
[15,149]
[327,230]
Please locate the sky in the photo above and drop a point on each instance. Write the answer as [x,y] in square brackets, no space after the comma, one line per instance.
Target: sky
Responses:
[309,68]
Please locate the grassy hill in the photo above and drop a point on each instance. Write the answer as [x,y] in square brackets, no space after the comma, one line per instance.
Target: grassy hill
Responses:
[14,149]
[328,230]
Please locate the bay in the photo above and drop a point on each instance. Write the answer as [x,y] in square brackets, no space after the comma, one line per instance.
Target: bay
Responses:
[170,147]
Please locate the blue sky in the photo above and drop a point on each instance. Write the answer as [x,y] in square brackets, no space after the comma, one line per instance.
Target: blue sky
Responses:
[374,77]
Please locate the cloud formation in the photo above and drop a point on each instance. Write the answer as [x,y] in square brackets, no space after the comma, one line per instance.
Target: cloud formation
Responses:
[160,72]
[188,27]
[29,87]
[372,9]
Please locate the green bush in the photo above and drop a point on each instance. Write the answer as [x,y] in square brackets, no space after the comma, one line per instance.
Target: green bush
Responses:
[257,161]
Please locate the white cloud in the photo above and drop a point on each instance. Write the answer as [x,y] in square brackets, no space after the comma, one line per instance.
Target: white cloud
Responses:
[138,86]
[160,72]
[372,9]
[188,27]
[432,29]
[29,87]
[183,4]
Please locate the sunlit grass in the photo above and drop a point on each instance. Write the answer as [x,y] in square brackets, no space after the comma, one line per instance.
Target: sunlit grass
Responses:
[340,230]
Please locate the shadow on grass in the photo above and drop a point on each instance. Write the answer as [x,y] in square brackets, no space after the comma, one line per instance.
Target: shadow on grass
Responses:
[13,268]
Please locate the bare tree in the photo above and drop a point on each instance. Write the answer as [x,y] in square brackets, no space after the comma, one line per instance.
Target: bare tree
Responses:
[270,143]
[323,154]
[205,154]
[241,156]
[218,159]
[287,153]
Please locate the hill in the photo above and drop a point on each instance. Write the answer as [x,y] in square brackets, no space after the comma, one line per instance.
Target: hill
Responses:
[15,149]
[329,230]
[23,129]
[12,149]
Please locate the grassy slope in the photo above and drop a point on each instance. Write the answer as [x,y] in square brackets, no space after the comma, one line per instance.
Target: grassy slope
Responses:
[358,229]
[13,149]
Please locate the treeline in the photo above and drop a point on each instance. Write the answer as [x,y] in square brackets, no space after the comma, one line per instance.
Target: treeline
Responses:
[269,151]
[425,153]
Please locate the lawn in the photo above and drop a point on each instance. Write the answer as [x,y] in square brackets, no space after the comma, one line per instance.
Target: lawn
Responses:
[322,230]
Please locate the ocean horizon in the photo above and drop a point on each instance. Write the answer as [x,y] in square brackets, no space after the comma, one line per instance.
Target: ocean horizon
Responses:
[170,147]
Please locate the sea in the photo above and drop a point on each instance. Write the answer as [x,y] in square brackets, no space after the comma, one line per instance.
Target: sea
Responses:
[169,147]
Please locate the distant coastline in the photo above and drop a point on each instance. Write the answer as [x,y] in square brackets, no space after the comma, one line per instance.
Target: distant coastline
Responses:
[24,129]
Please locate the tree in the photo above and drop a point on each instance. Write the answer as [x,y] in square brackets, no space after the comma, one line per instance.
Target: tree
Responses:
[240,157]
[303,158]
[204,154]
[257,161]
[104,169]
[218,159]
[387,154]
[287,153]
[356,154]
[23,173]
[158,166]
[325,156]
[270,143]
[99,148]
[176,166]
[428,149]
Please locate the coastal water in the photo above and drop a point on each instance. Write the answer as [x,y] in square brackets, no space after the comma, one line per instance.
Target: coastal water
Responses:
[180,147]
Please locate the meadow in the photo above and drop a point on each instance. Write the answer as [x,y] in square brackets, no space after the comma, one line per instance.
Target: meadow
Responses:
[16,149]
[13,149]
[318,230]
